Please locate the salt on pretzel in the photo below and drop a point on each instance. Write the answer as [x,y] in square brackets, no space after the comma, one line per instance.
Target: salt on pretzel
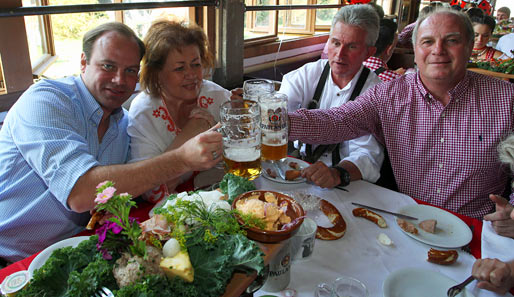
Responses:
[335,217]
[370,215]
[442,257]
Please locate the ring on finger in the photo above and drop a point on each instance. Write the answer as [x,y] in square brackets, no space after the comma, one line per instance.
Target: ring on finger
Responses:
[214,155]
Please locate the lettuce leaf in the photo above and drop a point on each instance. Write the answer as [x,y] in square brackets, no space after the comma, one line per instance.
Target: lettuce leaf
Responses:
[233,186]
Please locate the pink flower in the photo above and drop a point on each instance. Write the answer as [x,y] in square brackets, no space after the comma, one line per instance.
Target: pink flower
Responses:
[106,194]
[102,184]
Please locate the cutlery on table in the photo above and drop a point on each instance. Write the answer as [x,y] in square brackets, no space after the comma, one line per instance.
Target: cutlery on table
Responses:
[386,211]
[455,290]
[278,167]
[104,292]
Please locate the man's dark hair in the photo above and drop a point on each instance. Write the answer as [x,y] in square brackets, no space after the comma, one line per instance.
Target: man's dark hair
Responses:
[92,35]
[378,9]
[475,12]
[386,35]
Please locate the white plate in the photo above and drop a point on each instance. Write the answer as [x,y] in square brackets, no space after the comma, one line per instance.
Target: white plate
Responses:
[41,258]
[409,282]
[451,232]
[286,167]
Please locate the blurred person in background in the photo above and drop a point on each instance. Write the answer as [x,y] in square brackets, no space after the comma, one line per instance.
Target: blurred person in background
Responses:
[177,103]
[483,27]
[386,43]
[506,45]
[502,14]
[405,36]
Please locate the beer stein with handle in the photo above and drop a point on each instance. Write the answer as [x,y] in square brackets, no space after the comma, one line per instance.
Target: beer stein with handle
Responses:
[240,127]
[274,126]
[253,88]
[342,286]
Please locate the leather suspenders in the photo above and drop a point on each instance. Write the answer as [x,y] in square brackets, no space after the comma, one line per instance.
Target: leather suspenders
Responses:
[311,156]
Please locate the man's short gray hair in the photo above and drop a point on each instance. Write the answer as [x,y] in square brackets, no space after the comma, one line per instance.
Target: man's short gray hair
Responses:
[464,20]
[362,16]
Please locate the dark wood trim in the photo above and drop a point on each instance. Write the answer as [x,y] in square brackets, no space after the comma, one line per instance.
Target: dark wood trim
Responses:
[8,100]
[263,49]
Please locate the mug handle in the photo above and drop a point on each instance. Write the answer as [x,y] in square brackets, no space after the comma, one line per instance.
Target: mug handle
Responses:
[323,290]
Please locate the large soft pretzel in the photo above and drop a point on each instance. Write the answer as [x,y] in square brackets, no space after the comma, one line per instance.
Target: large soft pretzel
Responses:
[335,217]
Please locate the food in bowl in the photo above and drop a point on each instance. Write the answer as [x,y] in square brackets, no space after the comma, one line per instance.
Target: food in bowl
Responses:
[269,211]
[279,222]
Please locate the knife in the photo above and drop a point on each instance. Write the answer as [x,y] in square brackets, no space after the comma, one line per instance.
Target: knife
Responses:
[279,169]
[386,211]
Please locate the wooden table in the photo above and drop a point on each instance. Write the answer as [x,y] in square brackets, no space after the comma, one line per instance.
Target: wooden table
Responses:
[499,75]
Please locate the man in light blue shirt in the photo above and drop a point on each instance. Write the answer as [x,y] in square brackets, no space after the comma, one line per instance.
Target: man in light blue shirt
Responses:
[63,137]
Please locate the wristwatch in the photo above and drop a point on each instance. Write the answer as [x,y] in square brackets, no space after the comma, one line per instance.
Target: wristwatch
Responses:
[344,176]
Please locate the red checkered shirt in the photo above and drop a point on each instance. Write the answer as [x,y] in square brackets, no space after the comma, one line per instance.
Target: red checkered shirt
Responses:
[373,63]
[444,155]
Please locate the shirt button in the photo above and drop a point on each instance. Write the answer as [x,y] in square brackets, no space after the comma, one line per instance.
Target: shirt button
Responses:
[94,125]
[442,139]
[443,115]
[441,165]
[337,94]
[98,112]
[438,191]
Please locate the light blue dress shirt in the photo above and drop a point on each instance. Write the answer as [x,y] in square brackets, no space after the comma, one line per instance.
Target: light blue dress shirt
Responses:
[49,139]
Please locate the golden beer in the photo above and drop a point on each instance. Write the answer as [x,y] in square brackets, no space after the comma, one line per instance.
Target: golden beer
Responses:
[243,162]
[247,169]
[273,151]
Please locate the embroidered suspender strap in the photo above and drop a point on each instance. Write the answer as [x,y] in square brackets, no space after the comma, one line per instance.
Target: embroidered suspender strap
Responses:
[314,104]
[312,157]
[380,70]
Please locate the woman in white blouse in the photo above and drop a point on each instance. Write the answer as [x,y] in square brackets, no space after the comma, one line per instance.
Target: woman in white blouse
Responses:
[177,103]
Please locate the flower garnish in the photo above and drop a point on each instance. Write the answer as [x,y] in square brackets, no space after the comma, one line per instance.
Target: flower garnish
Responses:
[120,223]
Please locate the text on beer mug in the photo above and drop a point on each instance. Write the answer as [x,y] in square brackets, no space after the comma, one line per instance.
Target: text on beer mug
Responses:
[240,127]
[274,126]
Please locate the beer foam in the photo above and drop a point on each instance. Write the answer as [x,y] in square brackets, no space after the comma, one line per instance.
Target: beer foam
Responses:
[246,154]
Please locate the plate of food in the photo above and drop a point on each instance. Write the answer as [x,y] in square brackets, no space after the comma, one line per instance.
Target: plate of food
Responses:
[41,258]
[292,168]
[408,282]
[434,226]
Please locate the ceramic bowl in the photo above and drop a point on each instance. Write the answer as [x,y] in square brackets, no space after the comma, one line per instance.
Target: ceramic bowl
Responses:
[294,211]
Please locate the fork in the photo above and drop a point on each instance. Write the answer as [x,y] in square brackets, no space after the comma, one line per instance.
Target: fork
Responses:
[455,290]
[104,292]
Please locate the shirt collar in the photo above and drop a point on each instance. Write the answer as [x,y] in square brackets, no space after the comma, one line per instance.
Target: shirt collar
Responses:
[92,108]
[457,91]
[351,83]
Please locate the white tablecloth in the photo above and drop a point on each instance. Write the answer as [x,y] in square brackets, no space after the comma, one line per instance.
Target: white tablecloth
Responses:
[358,253]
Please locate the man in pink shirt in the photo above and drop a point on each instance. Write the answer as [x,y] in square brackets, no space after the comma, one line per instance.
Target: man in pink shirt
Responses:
[440,125]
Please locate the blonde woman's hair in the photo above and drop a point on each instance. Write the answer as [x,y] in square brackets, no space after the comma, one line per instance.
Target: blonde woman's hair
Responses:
[506,151]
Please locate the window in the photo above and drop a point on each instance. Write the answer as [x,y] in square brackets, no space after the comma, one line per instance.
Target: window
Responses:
[55,41]
[290,23]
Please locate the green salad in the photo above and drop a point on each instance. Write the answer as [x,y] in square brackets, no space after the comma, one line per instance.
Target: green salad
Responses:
[216,244]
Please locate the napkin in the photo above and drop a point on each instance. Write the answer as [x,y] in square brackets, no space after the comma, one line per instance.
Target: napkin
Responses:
[494,245]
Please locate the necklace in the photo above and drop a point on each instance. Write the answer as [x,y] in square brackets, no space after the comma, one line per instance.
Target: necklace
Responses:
[479,53]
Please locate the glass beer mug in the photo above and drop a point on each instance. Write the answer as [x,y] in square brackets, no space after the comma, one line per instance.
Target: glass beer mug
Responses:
[253,88]
[273,126]
[240,127]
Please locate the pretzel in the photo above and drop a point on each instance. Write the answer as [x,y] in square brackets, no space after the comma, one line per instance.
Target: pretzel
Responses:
[293,174]
[97,216]
[334,216]
[370,215]
[442,257]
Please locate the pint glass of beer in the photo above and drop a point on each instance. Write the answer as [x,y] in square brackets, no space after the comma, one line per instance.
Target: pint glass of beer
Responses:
[253,88]
[273,126]
[240,127]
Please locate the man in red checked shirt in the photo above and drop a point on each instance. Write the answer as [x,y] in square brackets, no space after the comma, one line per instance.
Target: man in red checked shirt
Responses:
[440,125]
[386,43]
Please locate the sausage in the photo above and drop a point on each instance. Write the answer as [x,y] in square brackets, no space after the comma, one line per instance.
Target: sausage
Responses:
[370,215]
[335,217]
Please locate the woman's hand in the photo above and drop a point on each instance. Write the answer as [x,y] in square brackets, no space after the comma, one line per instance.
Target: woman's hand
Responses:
[237,94]
[202,113]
